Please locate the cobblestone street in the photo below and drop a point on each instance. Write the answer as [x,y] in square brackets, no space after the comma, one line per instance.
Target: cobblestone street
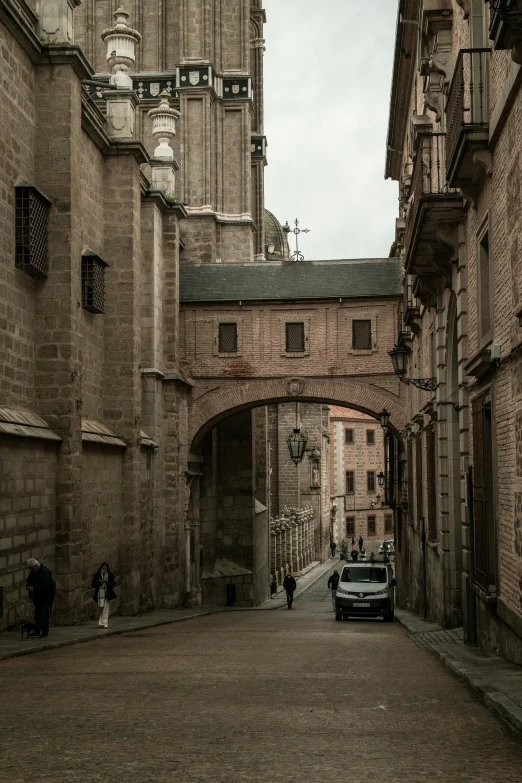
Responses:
[280,696]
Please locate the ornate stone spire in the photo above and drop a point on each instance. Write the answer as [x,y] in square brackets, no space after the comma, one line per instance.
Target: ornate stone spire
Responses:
[121,43]
[164,119]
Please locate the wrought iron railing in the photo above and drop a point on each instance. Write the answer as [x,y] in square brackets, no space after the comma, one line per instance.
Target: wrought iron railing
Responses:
[468,95]
[410,302]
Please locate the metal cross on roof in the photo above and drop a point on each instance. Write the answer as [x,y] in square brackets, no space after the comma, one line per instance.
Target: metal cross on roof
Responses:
[298,256]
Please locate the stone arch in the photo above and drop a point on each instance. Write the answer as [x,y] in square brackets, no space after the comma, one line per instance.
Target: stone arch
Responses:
[211,407]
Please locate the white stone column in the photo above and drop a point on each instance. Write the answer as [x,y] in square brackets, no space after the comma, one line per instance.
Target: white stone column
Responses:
[121,103]
[163,165]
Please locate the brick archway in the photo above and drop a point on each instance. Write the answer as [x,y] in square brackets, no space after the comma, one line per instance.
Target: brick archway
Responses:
[211,407]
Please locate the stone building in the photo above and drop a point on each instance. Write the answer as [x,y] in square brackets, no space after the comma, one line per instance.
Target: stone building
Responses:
[455,148]
[357,459]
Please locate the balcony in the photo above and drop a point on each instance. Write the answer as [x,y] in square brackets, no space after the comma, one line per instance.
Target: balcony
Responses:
[410,305]
[505,29]
[434,210]
[467,115]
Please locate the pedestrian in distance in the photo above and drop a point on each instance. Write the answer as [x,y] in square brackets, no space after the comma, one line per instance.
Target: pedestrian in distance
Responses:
[361,542]
[353,542]
[355,555]
[332,584]
[41,588]
[289,585]
[103,583]
[333,547]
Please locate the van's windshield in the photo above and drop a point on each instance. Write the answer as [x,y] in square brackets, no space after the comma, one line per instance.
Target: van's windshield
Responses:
[363,574]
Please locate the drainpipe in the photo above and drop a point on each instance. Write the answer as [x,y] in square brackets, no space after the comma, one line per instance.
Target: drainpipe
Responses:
[188,594]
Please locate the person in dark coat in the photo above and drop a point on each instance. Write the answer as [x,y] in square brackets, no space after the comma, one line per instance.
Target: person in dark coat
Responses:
[361,543]
[41,588]
[332,584]
[333,547]
[103,583]
[289,585]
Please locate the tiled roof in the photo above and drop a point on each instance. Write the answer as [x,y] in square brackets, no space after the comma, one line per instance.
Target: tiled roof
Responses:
[337,412]
[355,279]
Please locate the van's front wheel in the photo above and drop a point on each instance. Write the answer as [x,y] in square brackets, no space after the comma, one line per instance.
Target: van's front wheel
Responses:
[388,617]
[338,616]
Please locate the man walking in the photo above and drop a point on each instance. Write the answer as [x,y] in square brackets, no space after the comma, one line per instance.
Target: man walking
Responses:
[41,587]
[289,585]
[333,547]
[332,584]
[361,542]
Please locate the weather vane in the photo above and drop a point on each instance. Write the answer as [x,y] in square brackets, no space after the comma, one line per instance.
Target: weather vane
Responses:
[298,256]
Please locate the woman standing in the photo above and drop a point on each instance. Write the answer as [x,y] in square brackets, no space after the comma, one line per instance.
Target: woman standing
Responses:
[103,583]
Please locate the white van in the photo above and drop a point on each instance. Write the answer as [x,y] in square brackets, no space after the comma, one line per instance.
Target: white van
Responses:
[366,590]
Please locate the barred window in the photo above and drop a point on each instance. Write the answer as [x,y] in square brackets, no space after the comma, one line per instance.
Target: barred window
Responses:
[362,335]
[371,526]
[31,231]
[295,337]
[370,479]
[370,437]
[388,523]
[350,482]
[228,338]
[93,283]
[348,436]
[350,526]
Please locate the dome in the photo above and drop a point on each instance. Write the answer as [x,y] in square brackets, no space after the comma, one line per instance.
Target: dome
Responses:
[276,235]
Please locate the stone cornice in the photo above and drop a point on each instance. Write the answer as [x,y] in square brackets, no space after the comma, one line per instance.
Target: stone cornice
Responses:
[130,147]
[21,22]
[93,123]
[65,54]
[163,203]
[404,65]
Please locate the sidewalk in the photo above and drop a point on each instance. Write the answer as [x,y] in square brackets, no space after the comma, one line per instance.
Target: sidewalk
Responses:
[316,572]
[496,681]
[11,645]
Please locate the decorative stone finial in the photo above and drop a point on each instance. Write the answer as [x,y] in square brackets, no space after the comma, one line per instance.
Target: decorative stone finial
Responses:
[164,126]
[121,49]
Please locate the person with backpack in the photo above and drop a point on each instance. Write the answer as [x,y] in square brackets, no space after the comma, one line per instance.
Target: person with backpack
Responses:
[332,584]
[289,585]
[41,588]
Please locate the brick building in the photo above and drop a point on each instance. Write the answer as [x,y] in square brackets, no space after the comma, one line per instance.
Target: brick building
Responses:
[455,148]
[357,458]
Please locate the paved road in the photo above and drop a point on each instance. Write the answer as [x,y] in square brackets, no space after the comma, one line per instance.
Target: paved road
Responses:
[264,697]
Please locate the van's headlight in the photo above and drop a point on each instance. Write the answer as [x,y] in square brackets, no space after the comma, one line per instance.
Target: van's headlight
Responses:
[342,590]
[381,592]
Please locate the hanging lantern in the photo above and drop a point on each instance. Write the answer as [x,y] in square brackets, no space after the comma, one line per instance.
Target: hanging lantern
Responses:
[399,357]
[381,478]
[296,446]
[384,417]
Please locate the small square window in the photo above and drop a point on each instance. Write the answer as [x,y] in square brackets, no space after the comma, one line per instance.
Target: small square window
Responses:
[348,436]
[31,231]
[350,482]
[93,283]
[370,478]
[295,337]
[350,526]
[370,437]
[388,523]
[227,338]
[371,526]
[362,335]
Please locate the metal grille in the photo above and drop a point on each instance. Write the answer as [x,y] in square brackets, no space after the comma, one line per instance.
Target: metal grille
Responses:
[371,526]
[228,338]
[370,480]
[31,231]
[350,482]
[483,512]
[93,283]
[362,335]
[295,337]
[350,526]
[388,523]
[467,98]
[348,436]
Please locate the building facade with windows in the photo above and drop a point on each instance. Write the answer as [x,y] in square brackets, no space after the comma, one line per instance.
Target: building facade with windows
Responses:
[455,148]
[356,460]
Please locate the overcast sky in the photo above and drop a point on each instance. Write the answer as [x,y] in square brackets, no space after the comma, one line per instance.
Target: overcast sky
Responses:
[327,91]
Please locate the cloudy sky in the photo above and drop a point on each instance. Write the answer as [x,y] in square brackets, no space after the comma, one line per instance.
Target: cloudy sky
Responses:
[327,91]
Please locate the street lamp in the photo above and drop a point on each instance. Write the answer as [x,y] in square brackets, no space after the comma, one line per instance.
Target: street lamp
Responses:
[399,356]
[384,417]
[296,443]
[381,478]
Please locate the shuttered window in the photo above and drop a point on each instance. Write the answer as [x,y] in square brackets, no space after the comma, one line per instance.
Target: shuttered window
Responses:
[483,511]
[370,437]
[295,337]
[411,511]
[418,478]
[362,335]
[228,338]
[431,485]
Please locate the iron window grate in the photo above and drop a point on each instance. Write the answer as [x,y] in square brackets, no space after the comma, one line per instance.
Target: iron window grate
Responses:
[362,335]
[31,231]
[228,338]
[93,283]
[295,337]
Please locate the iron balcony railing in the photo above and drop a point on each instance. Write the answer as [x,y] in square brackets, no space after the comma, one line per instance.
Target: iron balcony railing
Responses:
[428,177]
[467,103]
[410,305]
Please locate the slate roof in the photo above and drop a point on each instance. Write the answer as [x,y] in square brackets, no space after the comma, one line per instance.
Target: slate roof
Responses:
[249,282]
